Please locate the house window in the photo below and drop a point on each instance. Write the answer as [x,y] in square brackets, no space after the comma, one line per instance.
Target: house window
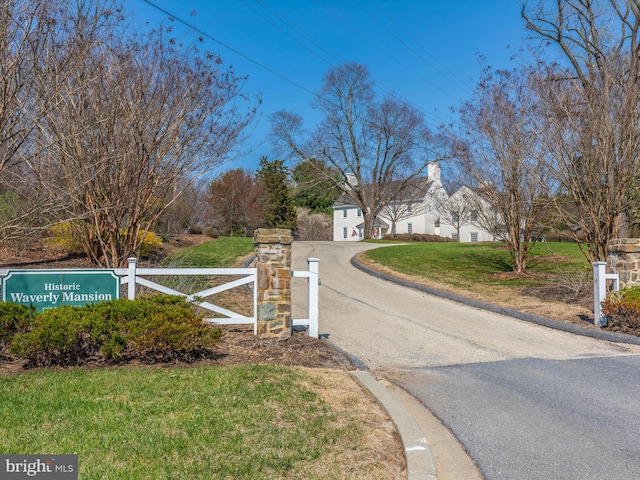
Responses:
[437,223]
[455,218]
[344,213]
[430,207]
[359,212]
[409,227]
[474,216]
[345,232]
[410,208]
[454,236]
[474,236]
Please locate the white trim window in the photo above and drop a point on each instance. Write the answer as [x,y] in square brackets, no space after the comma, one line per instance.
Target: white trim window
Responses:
[474,236]
[345,232]
[344,213]
[409,227]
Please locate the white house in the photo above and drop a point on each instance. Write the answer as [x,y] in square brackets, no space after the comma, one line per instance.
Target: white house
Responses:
[464,216]
[418,211]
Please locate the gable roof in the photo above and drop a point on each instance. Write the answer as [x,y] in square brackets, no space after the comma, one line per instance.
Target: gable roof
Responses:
[415,188]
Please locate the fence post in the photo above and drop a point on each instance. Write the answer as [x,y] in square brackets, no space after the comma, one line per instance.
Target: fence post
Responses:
[599,292]
[314,281]
[131,278]
[600,277]
[273,263]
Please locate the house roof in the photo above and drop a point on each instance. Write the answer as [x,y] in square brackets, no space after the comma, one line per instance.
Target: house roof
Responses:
[378,222]
[416,188]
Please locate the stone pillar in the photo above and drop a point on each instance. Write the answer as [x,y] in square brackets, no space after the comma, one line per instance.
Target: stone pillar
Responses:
[273,262]
[624,259]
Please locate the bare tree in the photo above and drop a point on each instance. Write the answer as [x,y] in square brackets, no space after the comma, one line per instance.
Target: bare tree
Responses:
[183,212]
[503,158]
[233,203]
[123,146]
[28,59]
[592,99]
[372,143]
[24,37]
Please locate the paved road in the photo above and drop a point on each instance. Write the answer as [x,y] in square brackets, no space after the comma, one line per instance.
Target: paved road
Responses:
[526,401]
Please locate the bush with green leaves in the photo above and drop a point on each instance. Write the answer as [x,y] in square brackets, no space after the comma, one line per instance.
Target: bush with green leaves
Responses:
[14,318]
[419,237]
[622,309]
[157,328]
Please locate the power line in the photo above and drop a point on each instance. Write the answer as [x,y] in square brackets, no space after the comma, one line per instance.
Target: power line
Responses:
[228,47]
[451,77]
[272,71]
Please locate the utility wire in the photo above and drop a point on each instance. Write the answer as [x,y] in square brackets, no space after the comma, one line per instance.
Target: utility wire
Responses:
[270,70]
[228,47]
[451,77]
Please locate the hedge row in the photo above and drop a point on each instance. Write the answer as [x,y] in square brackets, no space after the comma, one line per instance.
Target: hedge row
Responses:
[420,237]
[157,328]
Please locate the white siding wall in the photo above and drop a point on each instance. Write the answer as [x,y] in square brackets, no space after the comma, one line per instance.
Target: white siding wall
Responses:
[340,222]
[424,222]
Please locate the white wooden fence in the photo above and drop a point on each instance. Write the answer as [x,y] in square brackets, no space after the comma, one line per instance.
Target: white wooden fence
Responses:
[248,277]
[133,276]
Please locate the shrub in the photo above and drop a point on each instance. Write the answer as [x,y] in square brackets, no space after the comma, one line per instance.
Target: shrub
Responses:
[14,318]
[212,232]
[419,237]
[623,310]
[195,230]
[169,331]
[65,336]
[155,328]
[150,243]
[61,237]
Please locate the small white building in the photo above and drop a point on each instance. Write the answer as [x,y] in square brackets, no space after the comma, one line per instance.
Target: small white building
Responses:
[416,212]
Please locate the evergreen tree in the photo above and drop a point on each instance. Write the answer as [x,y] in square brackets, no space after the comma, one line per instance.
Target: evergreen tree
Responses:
[278,208]
[316,185]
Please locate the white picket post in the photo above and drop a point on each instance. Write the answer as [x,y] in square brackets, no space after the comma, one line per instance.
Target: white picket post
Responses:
[600,277]
[313,282]
[131,278]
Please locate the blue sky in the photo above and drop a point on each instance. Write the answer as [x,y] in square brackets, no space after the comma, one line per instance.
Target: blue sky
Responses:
[428,52]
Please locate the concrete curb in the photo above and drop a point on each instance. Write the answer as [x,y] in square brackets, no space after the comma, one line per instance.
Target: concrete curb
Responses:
[420,463]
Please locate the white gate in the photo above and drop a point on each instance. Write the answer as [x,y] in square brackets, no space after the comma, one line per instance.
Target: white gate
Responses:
[248,278]
[133,276]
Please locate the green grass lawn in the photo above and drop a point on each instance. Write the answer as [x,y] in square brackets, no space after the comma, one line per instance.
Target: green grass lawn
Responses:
[217,253]
[470,265]
[176,423]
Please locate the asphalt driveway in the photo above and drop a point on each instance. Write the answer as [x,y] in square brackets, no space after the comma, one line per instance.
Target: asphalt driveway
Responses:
[526,401]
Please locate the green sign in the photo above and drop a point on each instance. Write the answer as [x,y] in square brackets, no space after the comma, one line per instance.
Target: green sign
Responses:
[53,288]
